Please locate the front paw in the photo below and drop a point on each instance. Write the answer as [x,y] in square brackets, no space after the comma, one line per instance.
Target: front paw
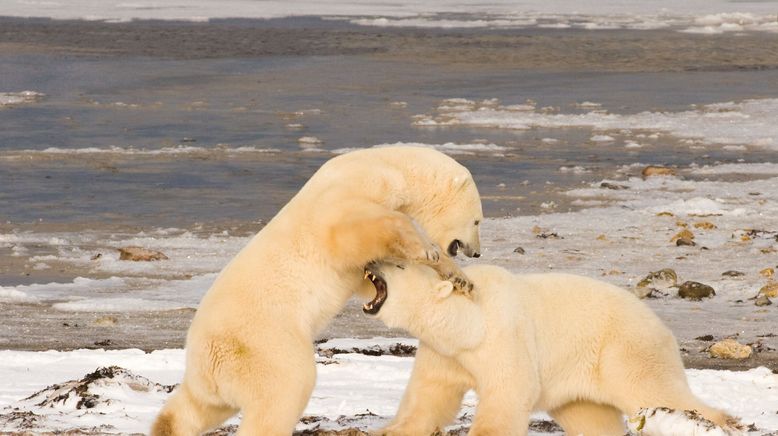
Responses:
[461,284]
[432,254]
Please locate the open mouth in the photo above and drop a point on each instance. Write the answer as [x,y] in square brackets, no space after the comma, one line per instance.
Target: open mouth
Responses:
[373,306]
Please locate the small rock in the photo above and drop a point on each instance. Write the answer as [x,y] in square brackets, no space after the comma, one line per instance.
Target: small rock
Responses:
[683,234]
[140,254]
[518,250]
[695,291]
[730,349]
[106,321]
[684,241]
[767,272]
[665,214]
[769,290]
[606,185]
[96,256]
[656,281]
[705,225]
[602,238]
[652,170]
[762,300]
[733,273]
[706,338]
[664,278]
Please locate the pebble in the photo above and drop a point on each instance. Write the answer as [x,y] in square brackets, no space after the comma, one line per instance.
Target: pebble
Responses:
[730,349]
[683,234]
[140,254]
[613,186]
[684,242]
[705,225]
[695,291]
[518,250]
[733,273]
[652,170]
[655,281]
[762,300]
[767,272]
[769,290]
[106,321]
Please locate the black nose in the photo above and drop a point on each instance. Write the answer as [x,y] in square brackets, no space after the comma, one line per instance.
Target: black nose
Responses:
[476,254]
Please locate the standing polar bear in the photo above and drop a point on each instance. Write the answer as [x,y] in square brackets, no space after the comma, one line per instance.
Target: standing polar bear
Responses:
[583,350]
[250,345]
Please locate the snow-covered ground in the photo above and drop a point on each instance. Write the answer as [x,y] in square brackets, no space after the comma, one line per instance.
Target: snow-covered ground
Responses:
[58,391]
[697,16]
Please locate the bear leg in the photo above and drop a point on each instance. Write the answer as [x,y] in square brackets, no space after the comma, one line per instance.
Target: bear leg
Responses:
[184,414]
[589,419]
[654,377]
[433,396]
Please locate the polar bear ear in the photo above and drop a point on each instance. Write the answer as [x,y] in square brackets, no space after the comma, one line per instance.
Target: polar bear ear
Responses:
[444,289]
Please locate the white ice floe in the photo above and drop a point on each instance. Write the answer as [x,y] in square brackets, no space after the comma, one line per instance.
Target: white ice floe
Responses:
[448,147]
[750,122]
[17,98]
[602,138]
[65,391]
[700,16]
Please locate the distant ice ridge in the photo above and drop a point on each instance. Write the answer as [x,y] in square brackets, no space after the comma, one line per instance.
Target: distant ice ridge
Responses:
[700,16]
[749,122]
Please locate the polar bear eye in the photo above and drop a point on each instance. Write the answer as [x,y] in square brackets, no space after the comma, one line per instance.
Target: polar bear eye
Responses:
[400,266]
[477,222]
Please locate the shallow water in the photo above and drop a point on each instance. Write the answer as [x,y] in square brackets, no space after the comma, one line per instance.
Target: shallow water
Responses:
[214,106]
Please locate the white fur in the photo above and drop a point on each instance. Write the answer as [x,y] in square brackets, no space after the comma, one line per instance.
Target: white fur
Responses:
[583,350]
[249,347]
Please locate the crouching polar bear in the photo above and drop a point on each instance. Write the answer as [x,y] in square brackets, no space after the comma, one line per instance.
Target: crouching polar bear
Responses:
[584,351]
[250,345]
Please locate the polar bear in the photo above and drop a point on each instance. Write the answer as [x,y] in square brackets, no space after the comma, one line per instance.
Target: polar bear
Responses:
[585,351]
[250,345]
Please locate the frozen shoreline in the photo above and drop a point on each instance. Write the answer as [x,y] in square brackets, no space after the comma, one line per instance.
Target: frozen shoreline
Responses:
[353,390]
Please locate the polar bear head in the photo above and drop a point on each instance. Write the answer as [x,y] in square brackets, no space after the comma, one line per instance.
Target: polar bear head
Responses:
[457,219]
[414,298]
